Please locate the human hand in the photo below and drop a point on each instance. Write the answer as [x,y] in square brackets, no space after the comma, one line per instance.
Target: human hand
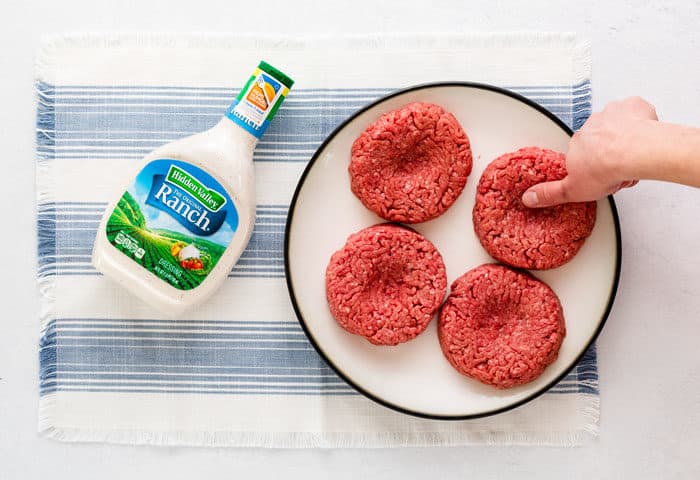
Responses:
[597,155]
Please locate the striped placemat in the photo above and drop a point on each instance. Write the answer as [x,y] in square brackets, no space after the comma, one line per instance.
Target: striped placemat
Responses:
[239,371]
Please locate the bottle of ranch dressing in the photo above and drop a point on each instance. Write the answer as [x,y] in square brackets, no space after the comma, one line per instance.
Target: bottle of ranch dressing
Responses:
[176,231]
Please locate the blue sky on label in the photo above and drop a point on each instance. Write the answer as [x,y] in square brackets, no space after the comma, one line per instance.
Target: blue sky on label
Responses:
[158,219]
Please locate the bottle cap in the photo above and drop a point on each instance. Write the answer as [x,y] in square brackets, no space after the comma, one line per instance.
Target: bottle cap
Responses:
[278,74]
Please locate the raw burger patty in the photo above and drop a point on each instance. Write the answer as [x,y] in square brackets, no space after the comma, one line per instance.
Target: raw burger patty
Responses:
[500,326]
[411,164]
[538,238]
[385,284]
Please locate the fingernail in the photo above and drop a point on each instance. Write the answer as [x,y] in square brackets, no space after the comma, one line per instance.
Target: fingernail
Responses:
[530,199]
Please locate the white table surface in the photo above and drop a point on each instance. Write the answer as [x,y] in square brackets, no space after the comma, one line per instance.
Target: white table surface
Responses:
[648,353]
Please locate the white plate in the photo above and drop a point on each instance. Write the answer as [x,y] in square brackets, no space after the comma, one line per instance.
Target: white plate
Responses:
[414,377]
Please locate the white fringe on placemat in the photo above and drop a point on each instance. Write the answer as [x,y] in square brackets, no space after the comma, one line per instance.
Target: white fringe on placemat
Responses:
[584,428]
[73,55]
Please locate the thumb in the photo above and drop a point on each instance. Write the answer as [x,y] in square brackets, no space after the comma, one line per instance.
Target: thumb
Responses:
[546,194]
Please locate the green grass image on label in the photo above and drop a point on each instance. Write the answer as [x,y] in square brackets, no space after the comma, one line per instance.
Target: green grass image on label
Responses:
[181,260]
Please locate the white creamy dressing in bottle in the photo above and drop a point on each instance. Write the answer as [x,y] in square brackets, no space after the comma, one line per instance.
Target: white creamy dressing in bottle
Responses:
[175,232]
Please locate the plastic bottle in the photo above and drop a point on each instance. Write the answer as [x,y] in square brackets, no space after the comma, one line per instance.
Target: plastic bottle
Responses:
[174,233]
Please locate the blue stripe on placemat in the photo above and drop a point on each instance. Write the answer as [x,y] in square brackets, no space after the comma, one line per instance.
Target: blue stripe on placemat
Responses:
[127,123]
[188,356]
[196,356]
[203,356]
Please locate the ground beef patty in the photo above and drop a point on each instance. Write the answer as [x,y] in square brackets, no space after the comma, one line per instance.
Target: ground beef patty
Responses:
[385,284]
[501,326]
[538,238]
[411,164]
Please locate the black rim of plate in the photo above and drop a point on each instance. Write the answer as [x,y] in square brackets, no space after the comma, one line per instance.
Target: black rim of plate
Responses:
[322,353]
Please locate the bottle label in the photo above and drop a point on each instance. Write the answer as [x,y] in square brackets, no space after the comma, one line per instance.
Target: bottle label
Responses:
[175,220]
[257,102]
